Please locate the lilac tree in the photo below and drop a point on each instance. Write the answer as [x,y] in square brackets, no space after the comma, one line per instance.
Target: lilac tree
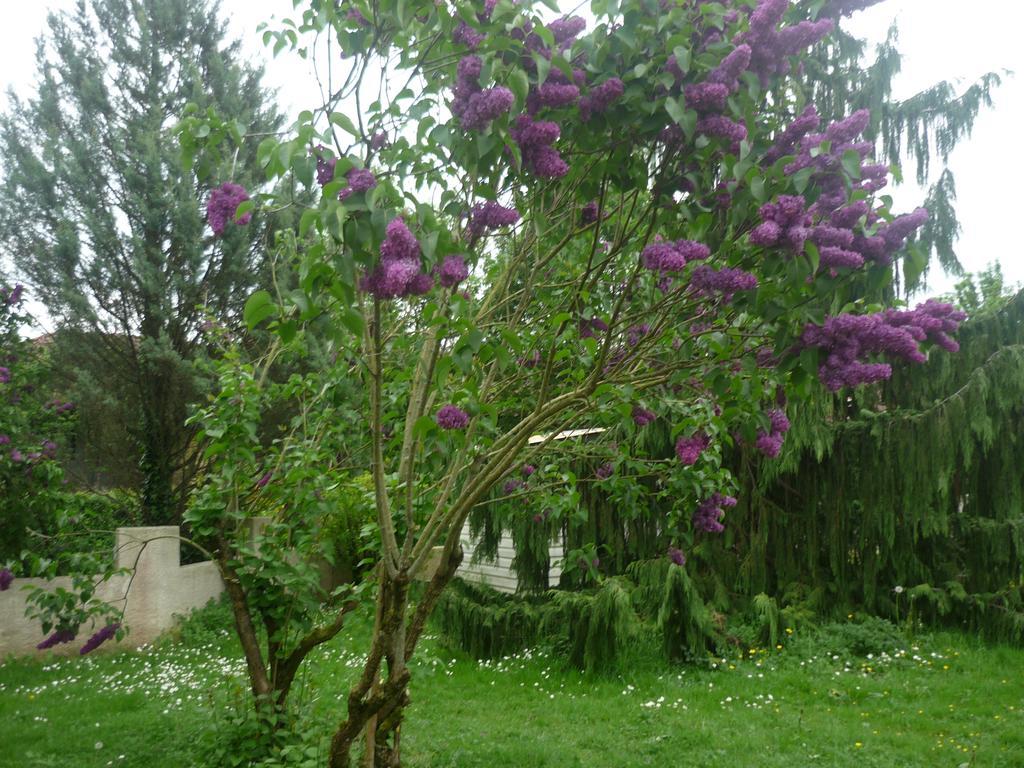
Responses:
[525,226]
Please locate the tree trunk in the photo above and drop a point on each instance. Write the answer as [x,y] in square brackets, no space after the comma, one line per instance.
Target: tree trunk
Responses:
[394,642]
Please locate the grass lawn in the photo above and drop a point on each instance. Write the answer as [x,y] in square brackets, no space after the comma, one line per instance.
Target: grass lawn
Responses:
[935,700]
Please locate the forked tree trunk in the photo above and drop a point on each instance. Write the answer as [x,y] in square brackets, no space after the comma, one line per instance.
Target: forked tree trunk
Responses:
[383,698]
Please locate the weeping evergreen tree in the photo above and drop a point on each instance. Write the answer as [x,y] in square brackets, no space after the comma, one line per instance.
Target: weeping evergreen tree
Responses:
[99,217]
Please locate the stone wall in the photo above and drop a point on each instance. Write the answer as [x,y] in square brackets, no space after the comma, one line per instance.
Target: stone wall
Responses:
[158,590]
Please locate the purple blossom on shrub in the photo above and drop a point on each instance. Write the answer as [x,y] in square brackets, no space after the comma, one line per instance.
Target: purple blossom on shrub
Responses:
[535,140]
[511,486]
[527,470]
[726,281]
[396,273]
[6,579]
[5,375]
[706,97]
[224,201]
[723,127]
[709,512]
[667,256]
[848,340]
[771,47]
[567,29]
[56,638]
[420,284]
[379,140]
[589,212]
[489,215]
[642,417]
[601,97]
[453,271]
[5,440]
[728,72]
[689,449]
[98,638]
[787,141]
[262,482]
[551,95]
[676,556]
[16,455]
[604,471]
[359,180]
[467,36]
[476,107]
[589,326]
[11,296]
[324,166]
[452,417]
[785,223]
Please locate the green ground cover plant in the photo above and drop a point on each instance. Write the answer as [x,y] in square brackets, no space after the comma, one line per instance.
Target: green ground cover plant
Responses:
[846,694]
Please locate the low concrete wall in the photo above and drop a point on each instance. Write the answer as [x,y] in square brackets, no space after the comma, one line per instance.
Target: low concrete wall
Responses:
[159,589]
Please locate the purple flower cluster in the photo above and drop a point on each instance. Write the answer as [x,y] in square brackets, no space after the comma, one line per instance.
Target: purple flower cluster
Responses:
[784,222]
[398,271]
[706,97]
[787,141]
[467,36]
[709,513]
[772,47]
[57,637]
[11,296]
[6,579]
[324,165]
[642,417]
[726,281]
[453,270]
[728,72]
[5,374]
[676,556]
[535,140]
[489,215]
[476,107]
[551,95]
[224,201]
[848,340]
[359,180]
[667,256]
[527,470]
[590,328]
[567,29]
[770,443]
[689,449]
[452,417]
[378,141]
[98,638]
[511,486]
[604,471]
[588,215]
[600,98]
[724,128]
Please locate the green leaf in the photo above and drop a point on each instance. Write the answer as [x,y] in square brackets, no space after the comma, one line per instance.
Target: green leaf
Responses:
[258,308]
[682,58]
[343,122]
[851,163]
[757,189]
[675,110]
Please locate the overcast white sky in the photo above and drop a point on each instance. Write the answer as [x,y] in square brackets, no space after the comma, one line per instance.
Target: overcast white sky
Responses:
[940,39]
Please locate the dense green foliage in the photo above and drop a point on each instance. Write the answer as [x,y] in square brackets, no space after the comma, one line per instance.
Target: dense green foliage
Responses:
[101,219]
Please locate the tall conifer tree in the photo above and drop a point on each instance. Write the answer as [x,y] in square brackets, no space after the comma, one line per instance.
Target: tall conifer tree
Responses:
[98,215]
